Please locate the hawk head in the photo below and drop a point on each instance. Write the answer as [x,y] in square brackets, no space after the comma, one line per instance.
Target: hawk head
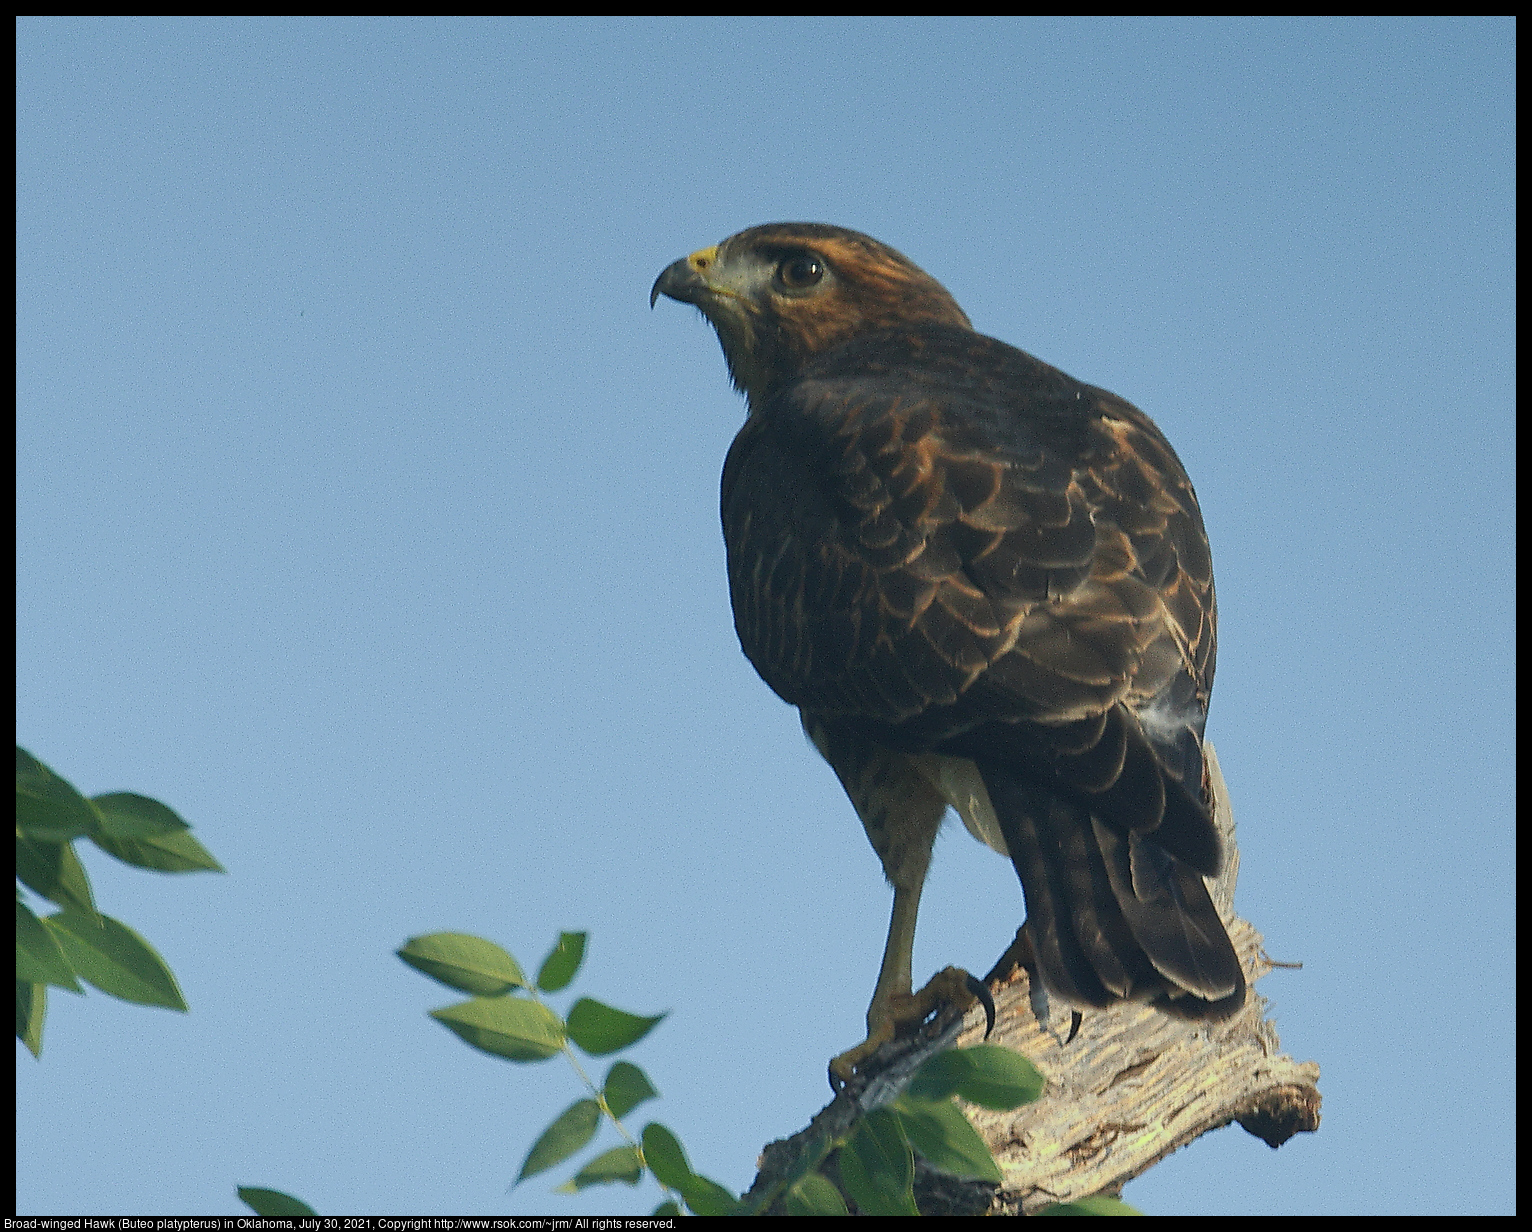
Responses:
[781,293]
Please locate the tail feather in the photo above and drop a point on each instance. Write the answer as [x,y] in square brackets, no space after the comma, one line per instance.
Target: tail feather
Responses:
[1112,914]
[1071,924]
[1168,909]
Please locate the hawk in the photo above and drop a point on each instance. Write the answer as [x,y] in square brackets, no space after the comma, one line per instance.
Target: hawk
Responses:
[984,585]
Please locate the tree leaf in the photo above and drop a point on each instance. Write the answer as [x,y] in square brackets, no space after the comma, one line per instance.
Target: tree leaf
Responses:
[877,1167]
[273,1202]
[573,1128]
[814,1195]
[986,1074]
[707,1197]
[599,1029]
[39,957]
[619,1164]
[665,1157]
[562,963]
[999,1078]
[107,953]
[48,807]
[173,852]
[626,1088]
[124,814]
[1097,1205]
[465,962]
[940,1132]
[509,1027]
[939,1077]
[31,1007]
[54,871]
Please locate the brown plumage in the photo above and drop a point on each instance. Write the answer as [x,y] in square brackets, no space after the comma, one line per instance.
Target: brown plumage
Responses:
[983,584]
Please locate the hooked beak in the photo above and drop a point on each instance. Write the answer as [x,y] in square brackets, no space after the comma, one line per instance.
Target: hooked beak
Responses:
[685,280]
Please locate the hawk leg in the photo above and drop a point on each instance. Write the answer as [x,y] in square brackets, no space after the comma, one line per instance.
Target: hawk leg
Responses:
[901,811]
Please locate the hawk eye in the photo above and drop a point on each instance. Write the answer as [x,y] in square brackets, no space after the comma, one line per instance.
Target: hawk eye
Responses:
[800,272]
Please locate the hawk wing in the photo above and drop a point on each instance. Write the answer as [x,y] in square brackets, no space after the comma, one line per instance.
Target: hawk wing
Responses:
[941,544]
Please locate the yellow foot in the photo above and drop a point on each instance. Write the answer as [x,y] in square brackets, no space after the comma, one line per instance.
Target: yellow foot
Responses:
[843,1066]
[901,1013]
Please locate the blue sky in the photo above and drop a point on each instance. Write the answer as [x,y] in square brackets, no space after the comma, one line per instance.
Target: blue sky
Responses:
[368,517]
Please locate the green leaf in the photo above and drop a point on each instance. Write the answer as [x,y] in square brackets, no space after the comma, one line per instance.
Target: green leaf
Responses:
[461,961]
[626,1088]
[619,1164]
[665,1157]
[668,1207]
[939,1077]
[814,1195]
[1097,1205]
[174,852]
[48,807]
[126,815]
[877,1167]
[54,871]
[941,1133]
[575,1126]
[273,1202]
[986,1074]
[509,1027]
[31,1006]
[39,958]
[560,965]
[599,1029]
[999,1078]
[115,959]
[707,1197]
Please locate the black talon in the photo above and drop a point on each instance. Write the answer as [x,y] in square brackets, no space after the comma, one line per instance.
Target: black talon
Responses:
[1075,1019]
[979,990]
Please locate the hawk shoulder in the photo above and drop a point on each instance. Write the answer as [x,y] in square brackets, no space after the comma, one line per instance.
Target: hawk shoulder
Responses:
[929,529]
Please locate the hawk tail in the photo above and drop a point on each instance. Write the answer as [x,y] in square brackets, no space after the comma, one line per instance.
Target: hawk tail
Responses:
[1113,915]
